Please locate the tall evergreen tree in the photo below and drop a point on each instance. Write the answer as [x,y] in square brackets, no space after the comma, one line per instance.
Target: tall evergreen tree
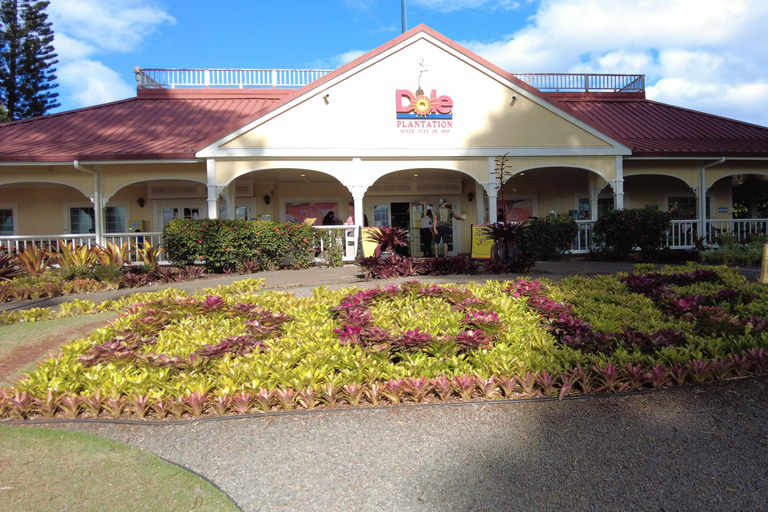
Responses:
[27,59]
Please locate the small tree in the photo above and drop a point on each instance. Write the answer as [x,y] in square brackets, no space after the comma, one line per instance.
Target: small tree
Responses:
[27,59]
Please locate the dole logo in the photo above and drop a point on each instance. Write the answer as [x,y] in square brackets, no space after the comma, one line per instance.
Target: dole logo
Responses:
[410,106]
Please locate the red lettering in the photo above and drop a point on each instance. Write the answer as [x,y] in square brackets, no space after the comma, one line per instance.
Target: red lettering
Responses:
[444,105]
[400,95]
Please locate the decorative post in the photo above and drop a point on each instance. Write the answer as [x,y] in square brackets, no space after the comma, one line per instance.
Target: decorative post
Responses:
[213,190]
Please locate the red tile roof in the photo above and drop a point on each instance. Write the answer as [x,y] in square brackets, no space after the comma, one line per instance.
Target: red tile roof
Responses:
[168,124]
[157,124]
[650,128]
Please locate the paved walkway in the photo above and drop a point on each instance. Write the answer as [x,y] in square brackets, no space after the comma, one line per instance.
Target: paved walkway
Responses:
[697,449]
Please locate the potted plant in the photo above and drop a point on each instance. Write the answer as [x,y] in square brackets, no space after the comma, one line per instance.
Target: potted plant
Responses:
[387,238]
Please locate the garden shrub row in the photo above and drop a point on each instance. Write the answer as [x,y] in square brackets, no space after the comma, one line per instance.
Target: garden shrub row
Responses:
[225,244]
[619,232]
[234,350]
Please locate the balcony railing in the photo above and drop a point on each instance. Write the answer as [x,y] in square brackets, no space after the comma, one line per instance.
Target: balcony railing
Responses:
[225,78]
[586,82]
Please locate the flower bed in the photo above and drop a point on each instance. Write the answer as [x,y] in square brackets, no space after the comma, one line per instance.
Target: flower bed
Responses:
[233,350]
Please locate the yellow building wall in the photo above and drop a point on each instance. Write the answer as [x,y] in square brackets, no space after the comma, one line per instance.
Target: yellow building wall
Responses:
[41,209]
[360,111]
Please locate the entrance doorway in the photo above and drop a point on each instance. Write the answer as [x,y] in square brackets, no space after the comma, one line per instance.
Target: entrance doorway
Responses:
[407,215]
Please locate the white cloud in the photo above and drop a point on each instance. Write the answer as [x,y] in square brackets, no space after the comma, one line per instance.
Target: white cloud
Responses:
[114,25]
[688,48]
[85,29]
[336,61]
[89,82]
[461,5]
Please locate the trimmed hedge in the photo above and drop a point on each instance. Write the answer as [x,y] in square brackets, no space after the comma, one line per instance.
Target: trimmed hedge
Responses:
[548,238]
[224,244]
[621,231]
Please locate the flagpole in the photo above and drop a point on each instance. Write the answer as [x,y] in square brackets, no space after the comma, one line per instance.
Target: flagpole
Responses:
[402,14]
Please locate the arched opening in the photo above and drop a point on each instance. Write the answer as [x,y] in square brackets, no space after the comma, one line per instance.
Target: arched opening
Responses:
[148,205]
[404,197]
[46,209]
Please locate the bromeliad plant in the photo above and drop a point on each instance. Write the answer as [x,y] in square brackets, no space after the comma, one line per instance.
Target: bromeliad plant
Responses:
[235,351]
[387,238]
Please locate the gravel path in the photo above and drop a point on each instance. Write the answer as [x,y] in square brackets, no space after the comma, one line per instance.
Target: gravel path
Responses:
[696,449]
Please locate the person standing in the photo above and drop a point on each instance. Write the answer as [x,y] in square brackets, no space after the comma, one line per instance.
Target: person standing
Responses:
[426,233]
[442,230]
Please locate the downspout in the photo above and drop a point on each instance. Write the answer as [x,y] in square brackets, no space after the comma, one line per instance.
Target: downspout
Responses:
[702,199]
[98,216]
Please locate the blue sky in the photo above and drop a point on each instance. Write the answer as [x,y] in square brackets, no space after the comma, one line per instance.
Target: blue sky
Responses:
[708,55]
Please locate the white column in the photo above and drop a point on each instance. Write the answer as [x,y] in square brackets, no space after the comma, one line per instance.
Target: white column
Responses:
[213,190]
[701,201]
[228,194]
[98,208]
[490,187]
[480,203]
[618,185]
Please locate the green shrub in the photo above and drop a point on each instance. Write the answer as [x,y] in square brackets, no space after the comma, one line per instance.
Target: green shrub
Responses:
[224,244]
[619,232]
[181,243]
[108,273]
[549,237]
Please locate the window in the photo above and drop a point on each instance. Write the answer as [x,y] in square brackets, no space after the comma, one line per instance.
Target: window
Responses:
[114,219]
[241,212]
[381,215]
[604,206]
[684,207]
[81,220]
[6,221]
[169,214]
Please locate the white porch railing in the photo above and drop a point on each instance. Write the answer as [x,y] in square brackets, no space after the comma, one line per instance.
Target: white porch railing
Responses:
[351,238]
[18,243]
[225,78]
[683,234]
[741,228]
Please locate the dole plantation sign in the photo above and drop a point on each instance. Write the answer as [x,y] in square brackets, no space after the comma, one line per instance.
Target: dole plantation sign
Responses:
[417,113]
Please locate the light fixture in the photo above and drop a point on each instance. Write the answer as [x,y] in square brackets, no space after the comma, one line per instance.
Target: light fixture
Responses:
[470,196]
[140,202]
[267,199]
[325,98]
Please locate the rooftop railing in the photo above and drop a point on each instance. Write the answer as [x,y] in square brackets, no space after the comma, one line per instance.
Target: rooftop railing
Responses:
[586,82]
[225,78]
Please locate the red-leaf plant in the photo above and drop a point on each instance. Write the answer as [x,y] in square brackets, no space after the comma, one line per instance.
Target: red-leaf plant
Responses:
[465,385]
[411,340]
[242,402]
[547,382]
[393,390]
[418,387]
[196,402]
[139,403]
[47,406]
[759,358]
[263,399]
[330,394]
[509,386]
[658,376]
[443,387]
[307,397]
[286,398]
[115,405]
[353,392]
[70,404]
[488,387]
[220,403]
[93,403]
[528,384]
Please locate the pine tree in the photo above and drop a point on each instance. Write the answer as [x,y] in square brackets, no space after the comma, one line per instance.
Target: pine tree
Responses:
[27,59]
